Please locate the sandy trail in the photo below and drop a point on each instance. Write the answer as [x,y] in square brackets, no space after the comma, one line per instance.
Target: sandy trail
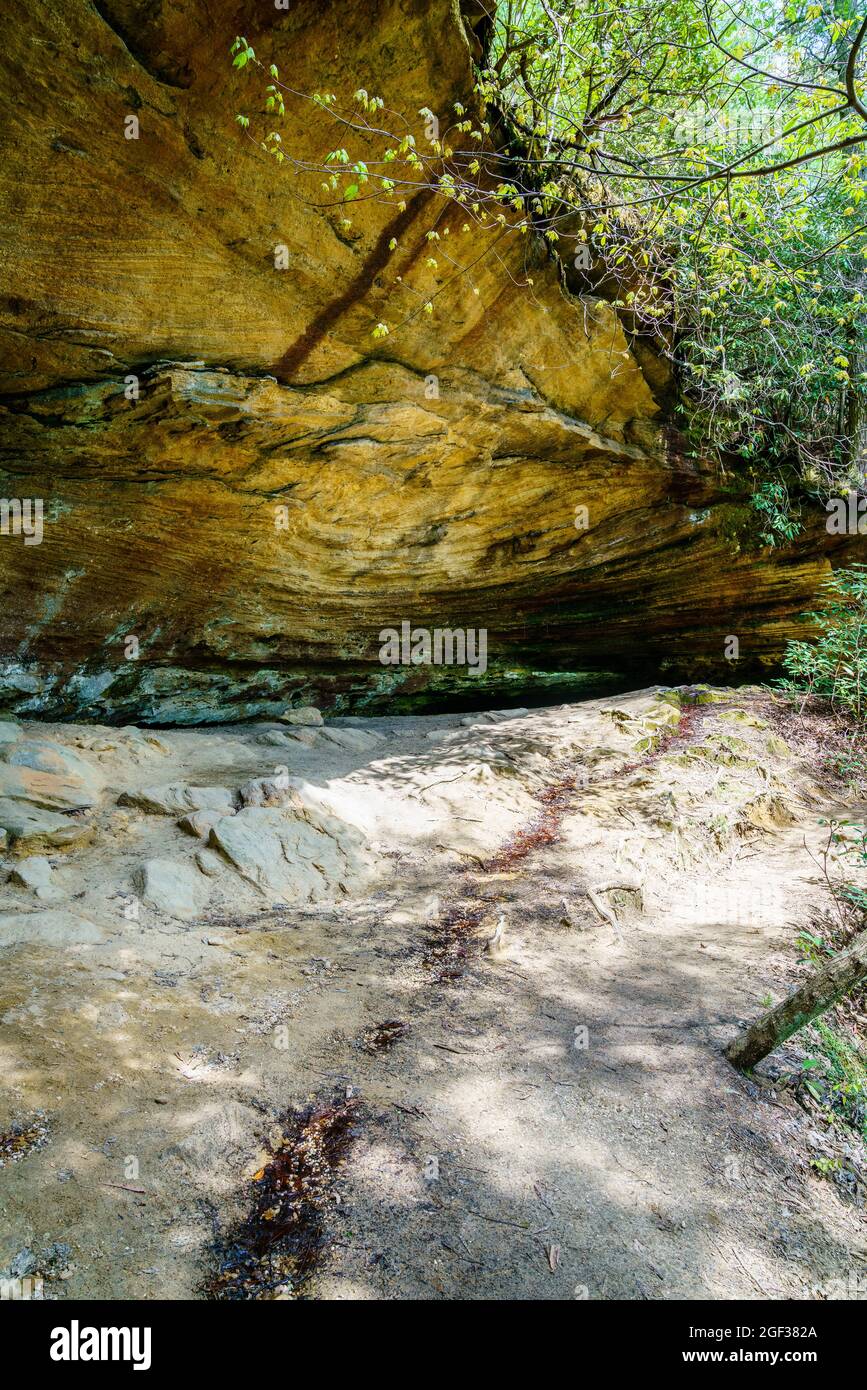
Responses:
[555,1122]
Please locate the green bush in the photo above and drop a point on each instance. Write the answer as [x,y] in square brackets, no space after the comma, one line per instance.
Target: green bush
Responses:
[839,1081]
[835,666]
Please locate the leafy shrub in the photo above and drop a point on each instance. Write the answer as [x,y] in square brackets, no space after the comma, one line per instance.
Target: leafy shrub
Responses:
[774,507]
[835,666]
[839,1081]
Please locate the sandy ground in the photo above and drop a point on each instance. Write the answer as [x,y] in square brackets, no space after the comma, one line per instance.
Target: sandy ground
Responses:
[555,1120]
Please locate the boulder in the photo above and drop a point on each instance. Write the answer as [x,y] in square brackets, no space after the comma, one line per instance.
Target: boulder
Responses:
[47,756]
[299,855]
[173,888]
[42,789]
[210,864]
[49,775]
[48,928]
[35,873]
[176,799]
[308,738]
[32,827]
[354,740]
[269,791]
[199,823]
[305,715]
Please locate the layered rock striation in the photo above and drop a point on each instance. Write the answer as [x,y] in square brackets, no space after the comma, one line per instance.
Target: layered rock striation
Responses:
[240,486]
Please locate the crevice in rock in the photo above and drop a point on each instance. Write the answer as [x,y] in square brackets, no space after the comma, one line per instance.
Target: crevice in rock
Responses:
[177,76]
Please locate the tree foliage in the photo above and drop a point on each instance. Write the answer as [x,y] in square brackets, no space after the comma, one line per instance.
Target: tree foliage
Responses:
[835,666]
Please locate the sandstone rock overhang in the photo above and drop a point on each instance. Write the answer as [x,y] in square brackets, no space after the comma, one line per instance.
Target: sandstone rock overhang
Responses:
[283,486]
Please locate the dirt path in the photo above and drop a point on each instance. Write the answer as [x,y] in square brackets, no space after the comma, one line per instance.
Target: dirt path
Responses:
[555,1120]
[582,1134]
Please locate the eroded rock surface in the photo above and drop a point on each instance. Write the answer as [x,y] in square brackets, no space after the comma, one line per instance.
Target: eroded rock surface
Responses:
[35,874]
[176,889]
[302,857]
[50,927]
[28,826]
[261,390]
[175,799]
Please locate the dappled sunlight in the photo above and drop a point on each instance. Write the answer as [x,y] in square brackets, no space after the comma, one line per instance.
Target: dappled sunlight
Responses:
[524,1004]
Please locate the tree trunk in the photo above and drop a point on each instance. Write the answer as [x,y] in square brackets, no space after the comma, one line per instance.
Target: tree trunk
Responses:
[824,987]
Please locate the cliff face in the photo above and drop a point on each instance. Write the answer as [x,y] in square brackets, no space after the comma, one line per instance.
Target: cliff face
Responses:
[277,486]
